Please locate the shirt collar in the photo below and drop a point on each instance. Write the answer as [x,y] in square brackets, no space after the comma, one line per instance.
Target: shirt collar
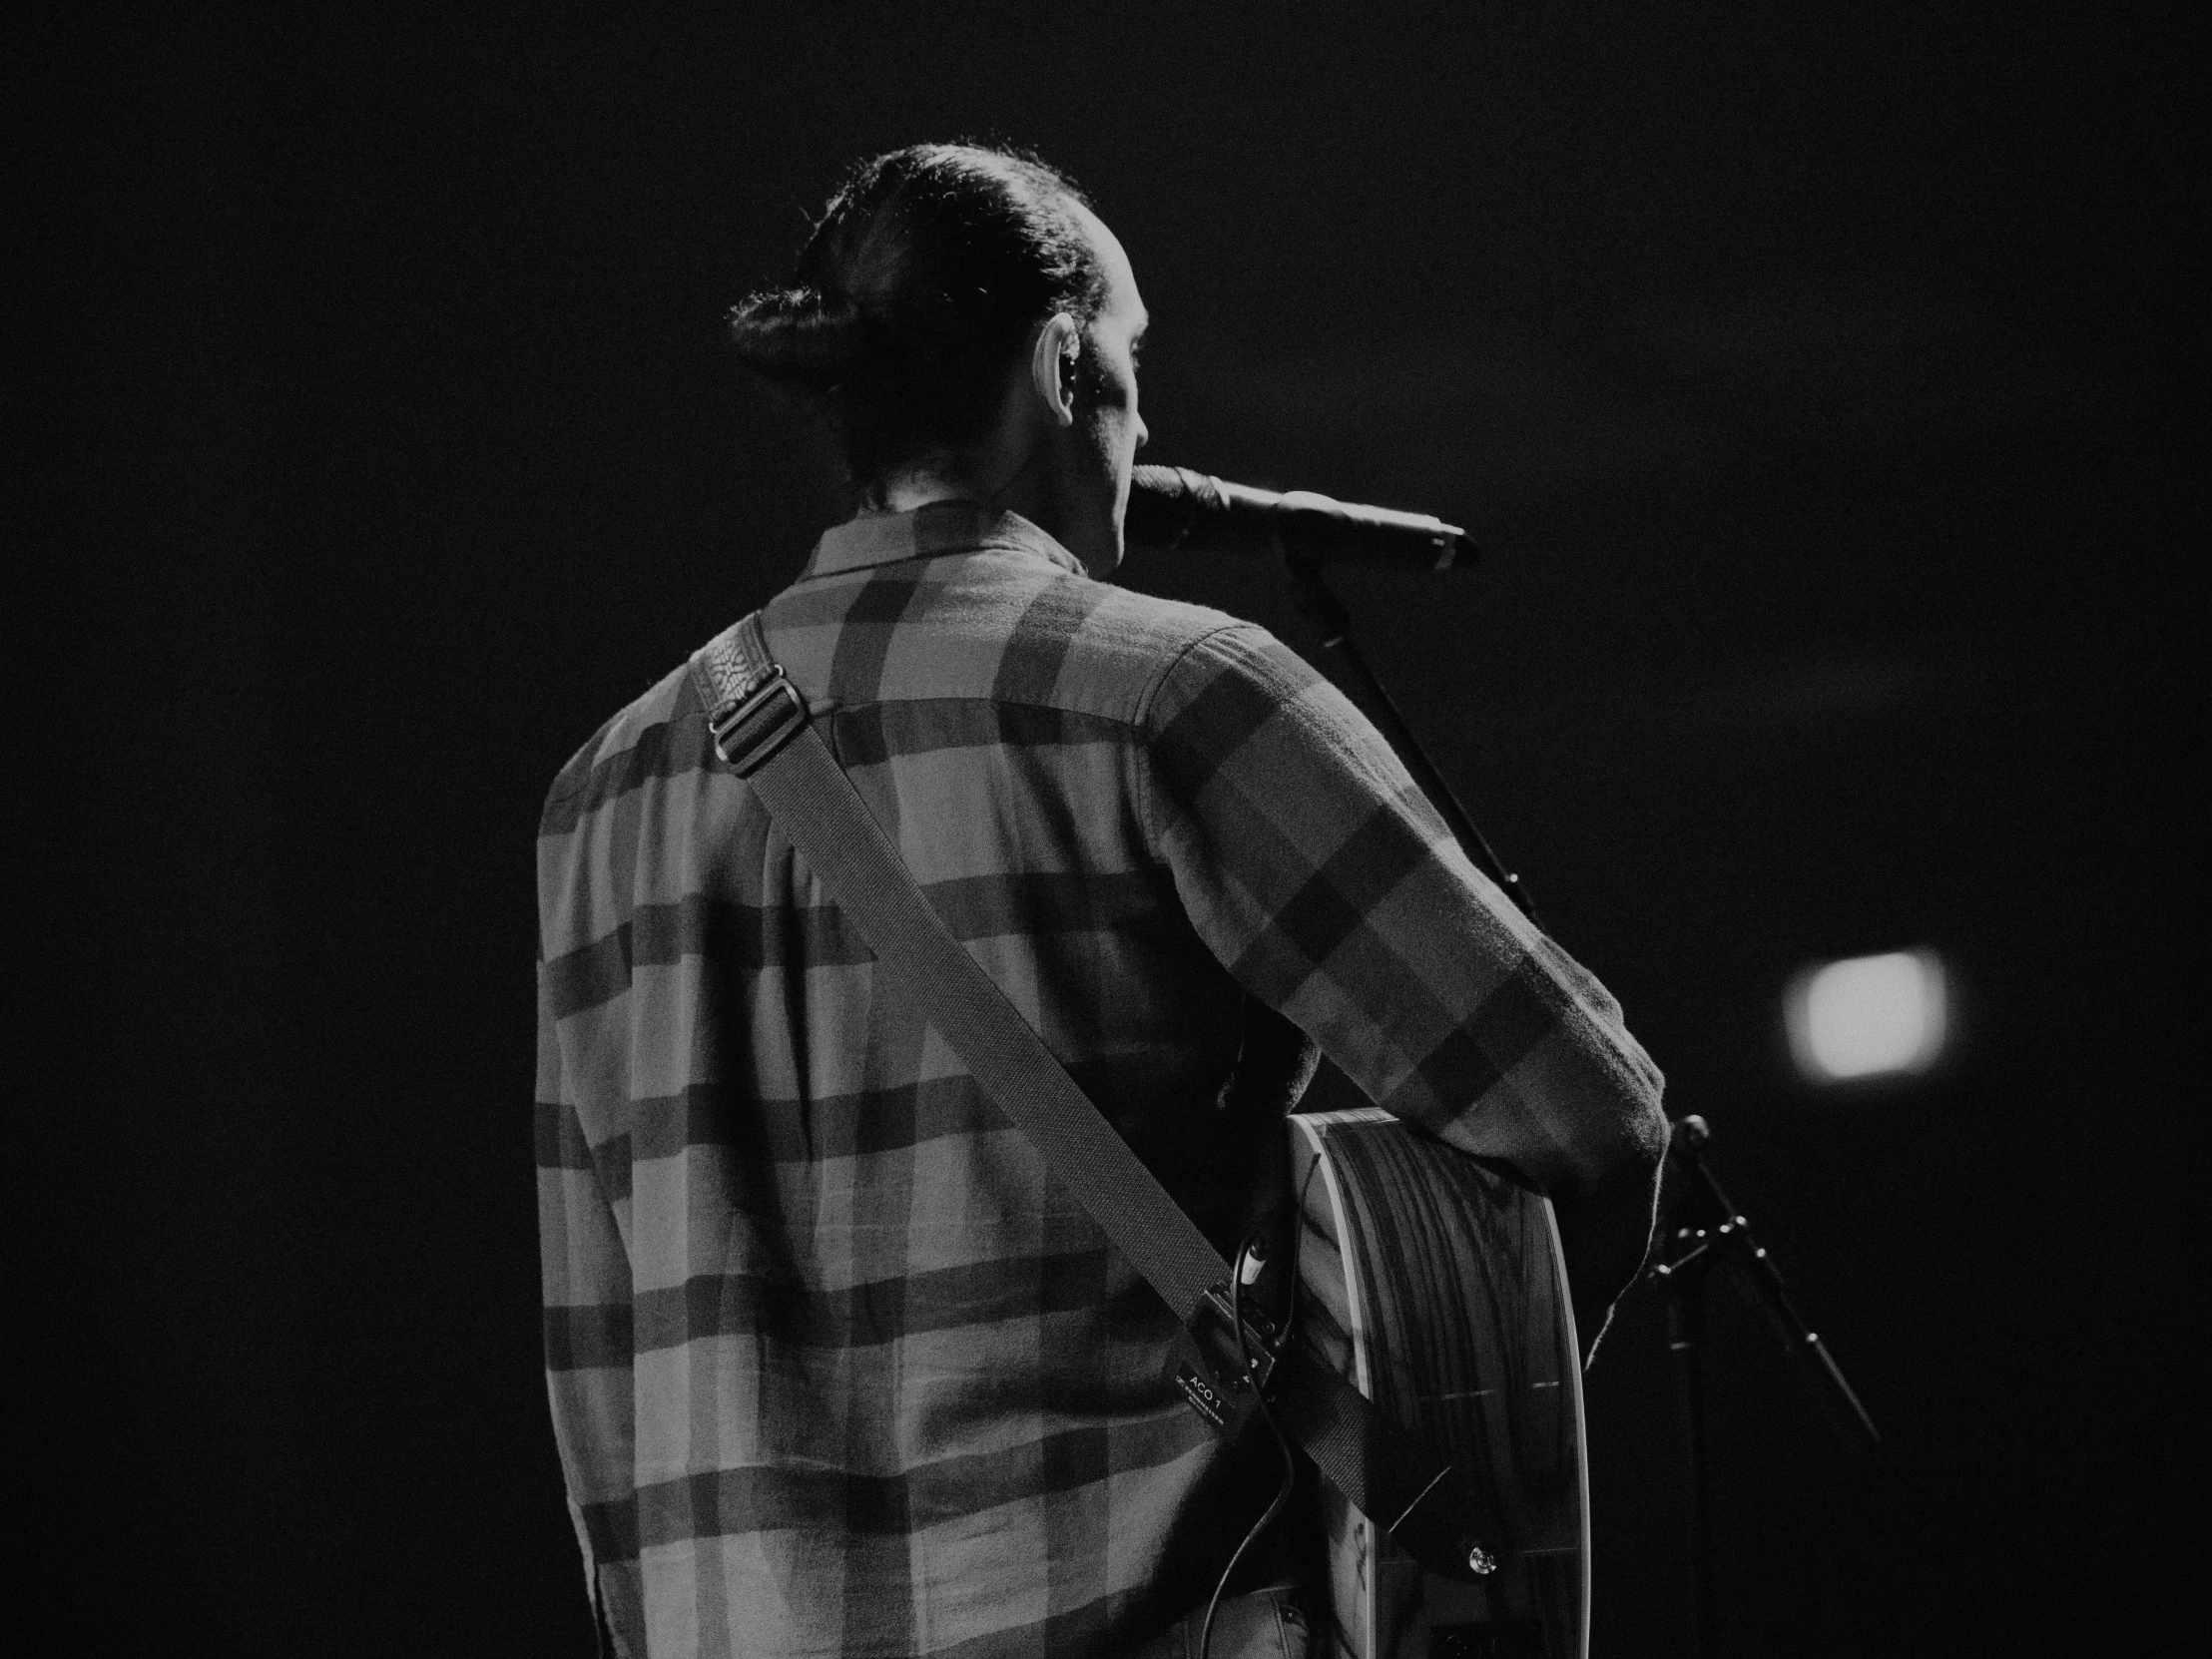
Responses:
[940,529]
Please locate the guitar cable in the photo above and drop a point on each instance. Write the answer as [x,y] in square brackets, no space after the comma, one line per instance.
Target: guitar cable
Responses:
[1249,1253]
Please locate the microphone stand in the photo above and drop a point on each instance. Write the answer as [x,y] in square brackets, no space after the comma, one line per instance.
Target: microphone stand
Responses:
[1699,1229]
[1335,629]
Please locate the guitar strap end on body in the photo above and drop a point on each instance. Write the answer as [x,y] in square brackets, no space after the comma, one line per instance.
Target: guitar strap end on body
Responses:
[1431,1510]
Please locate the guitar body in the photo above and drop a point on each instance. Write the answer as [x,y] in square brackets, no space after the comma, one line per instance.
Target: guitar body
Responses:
[1433,1281]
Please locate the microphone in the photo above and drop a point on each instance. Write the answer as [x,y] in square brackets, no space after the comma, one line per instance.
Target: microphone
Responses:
[1172,508]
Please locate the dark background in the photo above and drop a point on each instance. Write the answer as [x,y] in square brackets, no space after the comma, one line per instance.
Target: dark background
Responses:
[1805,369]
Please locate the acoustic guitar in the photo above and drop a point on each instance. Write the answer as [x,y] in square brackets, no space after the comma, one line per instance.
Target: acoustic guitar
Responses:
[1434,1281]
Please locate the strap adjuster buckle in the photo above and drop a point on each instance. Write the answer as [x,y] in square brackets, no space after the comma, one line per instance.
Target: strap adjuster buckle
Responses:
[755,729]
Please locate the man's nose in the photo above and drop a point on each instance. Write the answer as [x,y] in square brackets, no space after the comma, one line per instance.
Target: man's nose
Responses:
[1144,432]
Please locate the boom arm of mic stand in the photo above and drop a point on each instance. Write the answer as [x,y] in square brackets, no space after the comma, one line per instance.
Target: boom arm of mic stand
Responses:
[1336,625]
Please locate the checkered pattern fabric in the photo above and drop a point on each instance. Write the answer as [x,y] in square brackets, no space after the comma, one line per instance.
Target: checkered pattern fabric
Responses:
[835,1367]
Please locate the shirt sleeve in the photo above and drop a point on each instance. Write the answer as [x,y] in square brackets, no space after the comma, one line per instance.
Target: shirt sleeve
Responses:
[1319,874]
[585,1271]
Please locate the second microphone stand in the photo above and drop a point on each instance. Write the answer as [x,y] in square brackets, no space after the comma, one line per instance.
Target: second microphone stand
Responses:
[1700,1230]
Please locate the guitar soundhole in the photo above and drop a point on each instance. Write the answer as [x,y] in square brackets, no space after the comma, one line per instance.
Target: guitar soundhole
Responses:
[1510,1639]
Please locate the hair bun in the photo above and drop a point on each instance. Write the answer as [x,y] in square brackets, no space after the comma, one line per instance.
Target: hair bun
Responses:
[799,337]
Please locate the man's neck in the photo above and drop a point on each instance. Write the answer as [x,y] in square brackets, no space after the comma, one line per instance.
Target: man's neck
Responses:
[1015,494]
[917,491]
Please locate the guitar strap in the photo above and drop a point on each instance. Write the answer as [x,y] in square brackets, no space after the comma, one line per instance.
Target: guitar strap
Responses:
[762,731]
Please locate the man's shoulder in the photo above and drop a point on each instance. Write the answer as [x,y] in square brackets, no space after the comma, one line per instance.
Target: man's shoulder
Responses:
[626,748]
[1130,642]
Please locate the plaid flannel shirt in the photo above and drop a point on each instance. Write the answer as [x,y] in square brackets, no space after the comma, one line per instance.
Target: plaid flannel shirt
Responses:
[835,1367]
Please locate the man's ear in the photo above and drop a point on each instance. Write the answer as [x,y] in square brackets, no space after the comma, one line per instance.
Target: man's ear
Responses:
[1052,368]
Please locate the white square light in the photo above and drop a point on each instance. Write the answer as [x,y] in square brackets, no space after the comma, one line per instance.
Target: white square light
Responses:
[1867,1016]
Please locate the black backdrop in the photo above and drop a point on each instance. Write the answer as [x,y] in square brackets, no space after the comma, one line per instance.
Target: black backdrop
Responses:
[1800,366]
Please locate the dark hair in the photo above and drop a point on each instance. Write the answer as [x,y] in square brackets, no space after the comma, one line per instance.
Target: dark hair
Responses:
[919,284]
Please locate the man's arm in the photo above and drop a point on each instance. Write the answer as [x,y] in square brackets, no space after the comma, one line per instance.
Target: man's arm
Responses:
[587,1356]
[1317,871]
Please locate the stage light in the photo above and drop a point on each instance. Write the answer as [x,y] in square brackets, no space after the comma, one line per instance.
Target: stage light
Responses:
[1867,1016]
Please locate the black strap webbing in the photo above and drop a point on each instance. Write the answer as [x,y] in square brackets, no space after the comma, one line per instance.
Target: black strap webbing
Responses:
[760,729]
